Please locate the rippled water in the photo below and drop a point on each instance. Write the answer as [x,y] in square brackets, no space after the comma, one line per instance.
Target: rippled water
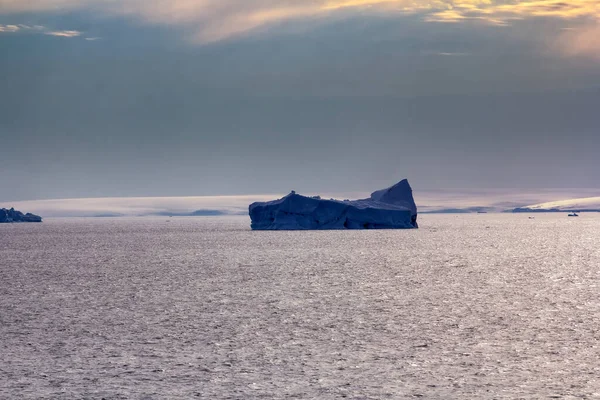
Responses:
[475,306]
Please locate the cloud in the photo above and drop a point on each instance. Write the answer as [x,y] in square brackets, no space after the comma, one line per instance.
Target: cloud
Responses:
[452,54]
[68,34]
[496,12]
[9,28]
[445,53]
[22,28]
[215,20]
[40,30]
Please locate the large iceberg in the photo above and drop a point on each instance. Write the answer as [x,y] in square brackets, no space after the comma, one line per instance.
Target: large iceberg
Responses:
[391,208]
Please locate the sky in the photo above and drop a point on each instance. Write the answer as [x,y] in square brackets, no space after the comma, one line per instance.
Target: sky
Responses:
[141,98]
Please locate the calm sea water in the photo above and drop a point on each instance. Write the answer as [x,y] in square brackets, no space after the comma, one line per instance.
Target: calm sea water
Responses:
[474,306]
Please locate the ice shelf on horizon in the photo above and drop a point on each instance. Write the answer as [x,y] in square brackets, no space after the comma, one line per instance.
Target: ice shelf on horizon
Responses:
[391,208]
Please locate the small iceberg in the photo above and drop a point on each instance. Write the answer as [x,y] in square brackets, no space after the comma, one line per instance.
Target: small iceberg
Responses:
[391,208]
[12,215]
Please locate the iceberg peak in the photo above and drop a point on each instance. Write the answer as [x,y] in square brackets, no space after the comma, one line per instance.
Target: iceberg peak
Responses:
[400,194]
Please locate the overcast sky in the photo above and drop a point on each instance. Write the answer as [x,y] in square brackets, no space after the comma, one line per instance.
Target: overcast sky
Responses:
[219,97]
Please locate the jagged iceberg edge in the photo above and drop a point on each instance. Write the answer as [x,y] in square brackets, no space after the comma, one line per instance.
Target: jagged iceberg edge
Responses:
[391,208]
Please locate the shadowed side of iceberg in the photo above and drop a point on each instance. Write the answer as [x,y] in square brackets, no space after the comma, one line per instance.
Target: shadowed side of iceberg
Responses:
[391,208]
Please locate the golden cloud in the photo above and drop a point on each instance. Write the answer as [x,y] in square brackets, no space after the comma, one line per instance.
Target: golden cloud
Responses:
[38,29]
[68,34]
[9,28]
[495,12]
[214,20]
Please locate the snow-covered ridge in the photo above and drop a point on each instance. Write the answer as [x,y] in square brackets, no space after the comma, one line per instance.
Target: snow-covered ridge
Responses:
[391,208]
[580,204]
[138,206]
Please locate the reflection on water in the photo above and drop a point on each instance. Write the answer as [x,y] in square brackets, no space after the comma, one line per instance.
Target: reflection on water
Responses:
[470,306]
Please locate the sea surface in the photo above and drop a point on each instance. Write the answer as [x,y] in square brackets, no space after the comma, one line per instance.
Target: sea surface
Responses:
[486,306]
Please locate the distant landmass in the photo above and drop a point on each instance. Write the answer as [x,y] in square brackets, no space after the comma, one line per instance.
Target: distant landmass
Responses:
[586,204]
[114,207]
[552,210]
[430,202]
[197,213]
[468,210]
[12,215]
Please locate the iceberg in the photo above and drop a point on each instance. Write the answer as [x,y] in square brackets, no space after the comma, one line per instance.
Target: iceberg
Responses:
[391,208]
[12,215]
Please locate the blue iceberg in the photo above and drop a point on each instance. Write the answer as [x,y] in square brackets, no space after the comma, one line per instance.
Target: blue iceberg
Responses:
[12,215]
[391,208]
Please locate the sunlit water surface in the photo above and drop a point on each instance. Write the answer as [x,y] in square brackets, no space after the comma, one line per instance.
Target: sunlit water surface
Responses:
[471,306]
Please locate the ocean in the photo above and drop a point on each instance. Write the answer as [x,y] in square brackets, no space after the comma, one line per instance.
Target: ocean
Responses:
[478,306]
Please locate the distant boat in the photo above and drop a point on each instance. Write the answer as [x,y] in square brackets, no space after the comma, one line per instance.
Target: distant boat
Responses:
[573,214]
